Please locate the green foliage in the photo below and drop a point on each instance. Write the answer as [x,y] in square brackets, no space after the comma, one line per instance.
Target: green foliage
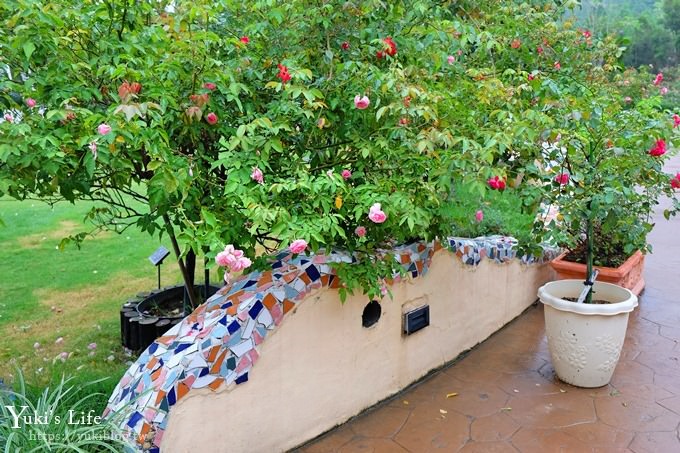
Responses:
[194,107]
[60,426]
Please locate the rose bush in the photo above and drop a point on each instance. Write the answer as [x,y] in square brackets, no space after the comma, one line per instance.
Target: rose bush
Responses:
[258,124]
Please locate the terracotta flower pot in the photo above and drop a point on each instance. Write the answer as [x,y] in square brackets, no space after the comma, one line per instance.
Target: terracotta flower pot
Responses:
[628,275]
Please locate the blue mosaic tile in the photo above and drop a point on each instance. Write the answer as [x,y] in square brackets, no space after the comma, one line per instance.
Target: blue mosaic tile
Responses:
[243,378]
[255,310]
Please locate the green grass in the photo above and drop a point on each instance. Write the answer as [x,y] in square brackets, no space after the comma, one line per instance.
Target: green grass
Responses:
[74,294]
[504,214]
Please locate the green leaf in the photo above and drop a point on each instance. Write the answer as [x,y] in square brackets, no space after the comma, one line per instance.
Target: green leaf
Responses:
[29,48]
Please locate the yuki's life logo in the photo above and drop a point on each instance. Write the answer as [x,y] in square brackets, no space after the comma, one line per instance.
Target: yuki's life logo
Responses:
[21,416]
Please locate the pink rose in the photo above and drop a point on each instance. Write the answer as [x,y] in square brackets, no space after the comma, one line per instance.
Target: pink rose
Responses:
[557,65]
[211,118]
[103,129]
[659,148]
[244,39]
[9,118]
[209,86]
[93,148]
[257,175]
[360,231]
[479,216]
[30,102]
[222,259]
[562,179]
[193,113]
[298,246]
[664,91]
[376,215]
[451,59]
[346,174]
[493,183]
[496,183]
[241,264]
[92,346]
[658,79]
[676,120]
[627,99]
[361,102]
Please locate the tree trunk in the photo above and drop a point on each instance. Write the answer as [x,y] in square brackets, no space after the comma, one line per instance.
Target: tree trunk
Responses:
[188,279]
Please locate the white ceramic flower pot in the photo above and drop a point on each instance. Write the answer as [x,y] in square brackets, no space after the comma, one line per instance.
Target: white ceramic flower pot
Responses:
[585,340]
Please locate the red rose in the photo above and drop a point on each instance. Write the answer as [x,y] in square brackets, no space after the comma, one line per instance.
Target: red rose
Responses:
[344,45]
[659,148]
[389,49]
[283,73]
[244,39]
[675,182]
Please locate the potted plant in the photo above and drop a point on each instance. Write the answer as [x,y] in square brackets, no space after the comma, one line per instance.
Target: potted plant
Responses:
[604,173]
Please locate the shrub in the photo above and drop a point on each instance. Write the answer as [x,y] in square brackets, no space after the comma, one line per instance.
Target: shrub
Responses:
[59,419]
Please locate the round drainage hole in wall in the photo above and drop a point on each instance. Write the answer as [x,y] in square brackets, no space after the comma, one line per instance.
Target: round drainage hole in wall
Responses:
[371,314]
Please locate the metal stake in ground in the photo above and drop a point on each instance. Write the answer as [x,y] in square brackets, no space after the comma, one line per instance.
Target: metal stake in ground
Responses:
[157,259]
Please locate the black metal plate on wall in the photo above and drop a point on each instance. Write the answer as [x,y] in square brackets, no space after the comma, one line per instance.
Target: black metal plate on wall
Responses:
[416,319]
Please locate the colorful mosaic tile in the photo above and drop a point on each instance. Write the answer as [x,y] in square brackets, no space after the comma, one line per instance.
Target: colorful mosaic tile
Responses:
[216,345]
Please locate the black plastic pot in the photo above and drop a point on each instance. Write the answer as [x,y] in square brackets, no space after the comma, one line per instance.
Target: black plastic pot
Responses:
[142,320]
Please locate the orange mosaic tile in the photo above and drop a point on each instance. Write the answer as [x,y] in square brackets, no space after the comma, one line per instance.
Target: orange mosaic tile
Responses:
[269,301]
[182,390]
[152,363]
[214,385]
[159,398]
[265,278]
[218,363]
[213,353]
[287,306]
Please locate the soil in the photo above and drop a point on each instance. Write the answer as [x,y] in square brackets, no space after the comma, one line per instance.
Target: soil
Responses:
[606,255]
[595,301]
[168,308]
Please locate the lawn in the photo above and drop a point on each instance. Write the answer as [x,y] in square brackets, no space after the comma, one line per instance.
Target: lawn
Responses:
[73,294]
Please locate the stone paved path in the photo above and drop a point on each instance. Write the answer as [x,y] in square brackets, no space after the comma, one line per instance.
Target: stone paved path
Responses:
[509,400]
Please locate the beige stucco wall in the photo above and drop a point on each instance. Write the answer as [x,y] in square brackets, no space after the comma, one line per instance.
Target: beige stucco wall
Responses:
[321,367]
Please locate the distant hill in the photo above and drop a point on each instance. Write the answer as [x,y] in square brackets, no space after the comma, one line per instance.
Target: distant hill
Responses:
[616,7]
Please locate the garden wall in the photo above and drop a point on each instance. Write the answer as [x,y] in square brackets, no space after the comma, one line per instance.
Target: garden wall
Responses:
[319,366]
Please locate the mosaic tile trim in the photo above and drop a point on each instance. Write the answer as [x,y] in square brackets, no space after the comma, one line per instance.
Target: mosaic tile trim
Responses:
[217,344]
[498,248]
